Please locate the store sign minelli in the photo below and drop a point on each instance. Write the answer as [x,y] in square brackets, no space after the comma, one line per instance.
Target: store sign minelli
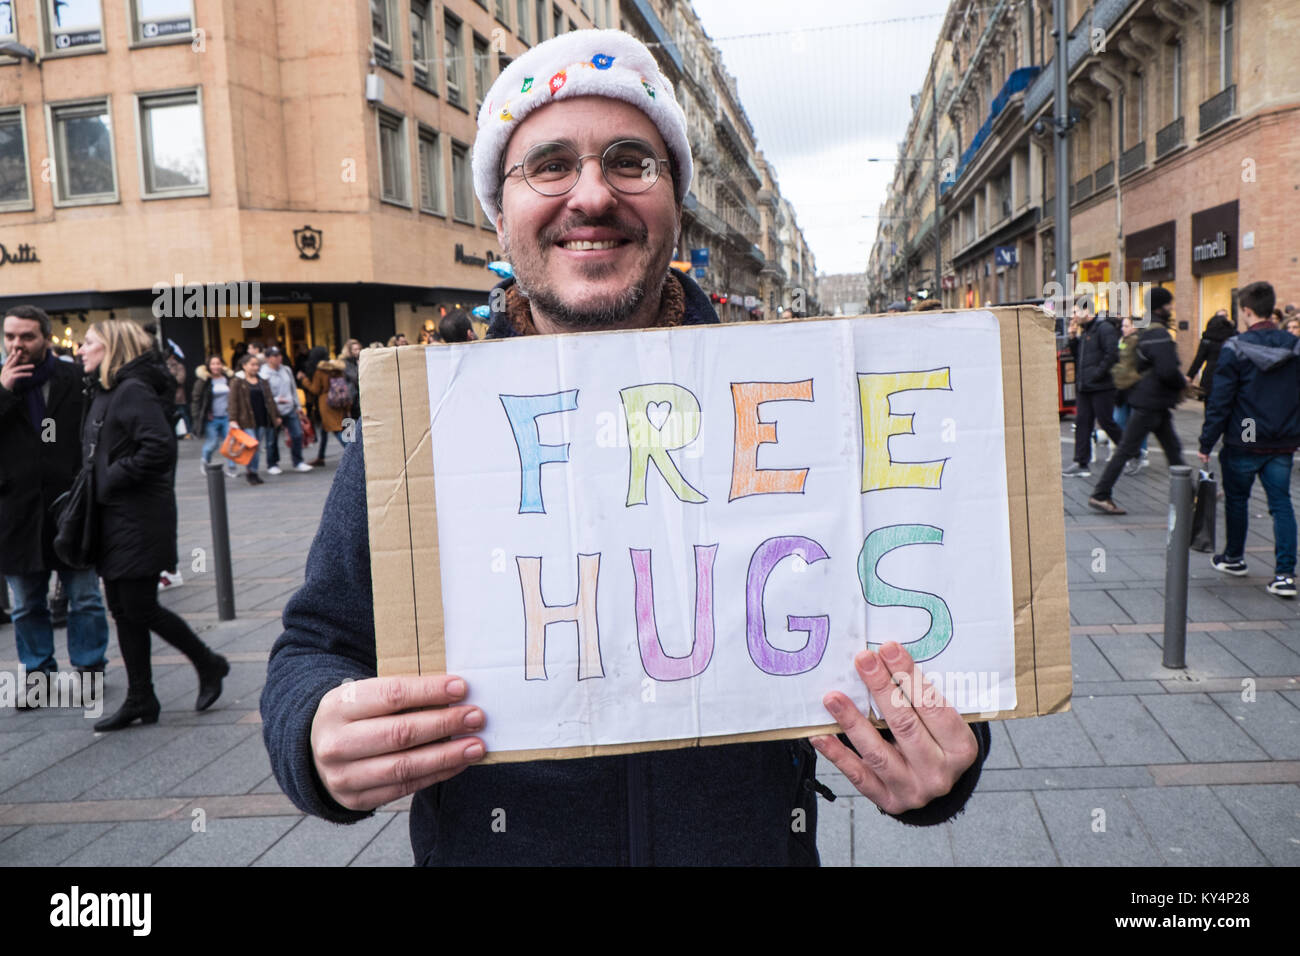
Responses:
[24,253]
[1214,239]
[1149,255]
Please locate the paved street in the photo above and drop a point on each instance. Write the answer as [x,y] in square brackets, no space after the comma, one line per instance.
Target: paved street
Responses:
[1150,767]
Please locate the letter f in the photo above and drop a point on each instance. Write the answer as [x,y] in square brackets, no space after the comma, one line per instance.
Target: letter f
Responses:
[523,412]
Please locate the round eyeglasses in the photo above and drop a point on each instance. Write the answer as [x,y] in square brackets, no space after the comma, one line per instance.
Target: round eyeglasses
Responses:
[553,169]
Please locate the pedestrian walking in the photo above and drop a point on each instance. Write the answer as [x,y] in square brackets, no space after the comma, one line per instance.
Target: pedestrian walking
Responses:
[351,358]
[1254,407]
[1218,330]
[134,450]
[285,395]
[333,402]
[210,408]
[1136,464]
[252,408]
[344,741]
[306,370]
[1151,400]
[1097,352]
[41,407]
[176,366]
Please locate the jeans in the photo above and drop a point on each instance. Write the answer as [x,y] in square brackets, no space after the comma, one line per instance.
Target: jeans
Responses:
[214,433]
[1141,421]
[183,411]
[1092,409]
[265,436]
[87,623]
[325,440]
[136,611]
[1274,471]
[289,422]
[1121,419]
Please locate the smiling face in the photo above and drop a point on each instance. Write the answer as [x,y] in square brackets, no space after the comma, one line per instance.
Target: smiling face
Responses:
[594,258]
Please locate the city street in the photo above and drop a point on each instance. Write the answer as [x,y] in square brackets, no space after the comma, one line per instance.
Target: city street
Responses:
[1199,767]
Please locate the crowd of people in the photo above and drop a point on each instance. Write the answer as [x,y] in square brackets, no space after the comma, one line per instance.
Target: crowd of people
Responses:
[1249,382]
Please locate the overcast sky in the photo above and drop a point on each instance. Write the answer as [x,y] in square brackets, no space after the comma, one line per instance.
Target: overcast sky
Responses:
[825,91]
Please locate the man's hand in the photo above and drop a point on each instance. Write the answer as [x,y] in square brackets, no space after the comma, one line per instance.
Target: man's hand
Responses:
[932,745]
[1205,459]
[11,373]
[376,740]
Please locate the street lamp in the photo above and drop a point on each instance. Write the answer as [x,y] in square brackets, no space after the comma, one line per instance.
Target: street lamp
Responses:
[14,48]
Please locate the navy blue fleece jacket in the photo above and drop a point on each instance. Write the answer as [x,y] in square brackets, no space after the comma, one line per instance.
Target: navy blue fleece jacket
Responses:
[727,805]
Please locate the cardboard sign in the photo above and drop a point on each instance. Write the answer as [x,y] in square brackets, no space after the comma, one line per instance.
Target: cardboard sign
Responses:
[661,538]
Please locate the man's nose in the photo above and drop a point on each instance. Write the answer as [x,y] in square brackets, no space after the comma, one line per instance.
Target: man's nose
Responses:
[592,194]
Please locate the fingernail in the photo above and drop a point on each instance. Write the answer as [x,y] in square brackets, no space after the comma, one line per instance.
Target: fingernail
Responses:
[894,653]
[474,718]
[832,703]
[474,752]
[869,661]
[819,743]
[456,688]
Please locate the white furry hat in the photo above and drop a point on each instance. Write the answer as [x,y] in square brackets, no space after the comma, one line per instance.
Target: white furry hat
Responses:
[579,63]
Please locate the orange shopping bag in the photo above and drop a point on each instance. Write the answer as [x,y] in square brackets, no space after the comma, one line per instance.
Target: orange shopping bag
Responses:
[239,445]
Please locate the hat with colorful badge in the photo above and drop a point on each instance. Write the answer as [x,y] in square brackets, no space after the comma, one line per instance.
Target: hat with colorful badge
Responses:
[579,63]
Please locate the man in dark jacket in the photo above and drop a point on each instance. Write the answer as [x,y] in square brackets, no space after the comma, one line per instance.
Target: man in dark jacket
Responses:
[1254,406]
[589,252]
[1097,352]
[1152,399]
[41,404]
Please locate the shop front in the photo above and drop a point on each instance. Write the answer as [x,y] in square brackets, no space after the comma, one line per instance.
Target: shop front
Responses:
[1214,261]
[1149,257]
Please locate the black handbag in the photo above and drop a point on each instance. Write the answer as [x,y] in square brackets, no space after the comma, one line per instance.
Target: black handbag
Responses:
[1203,512]
[74,515]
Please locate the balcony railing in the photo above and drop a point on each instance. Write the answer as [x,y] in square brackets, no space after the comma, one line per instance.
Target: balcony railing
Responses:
[1133,159]
[1018,81]
[1103,177]
[1169,138]
[1218,108]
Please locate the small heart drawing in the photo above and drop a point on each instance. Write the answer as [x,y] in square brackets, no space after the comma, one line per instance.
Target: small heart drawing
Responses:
[657,413]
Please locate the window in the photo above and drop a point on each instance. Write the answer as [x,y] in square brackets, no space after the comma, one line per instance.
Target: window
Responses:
[15,187]
[557,22]
[382,22]
[431,188]
[172,154]
[451,51]
[1176,82]
[541,20]
[8,31]
[481,70]
[392,158]
[1120,119]
[462,183]
[1004,194]
[1141,106]
[82,137]
[524,20]
[503,11]
[1225,45]
[71,24]
[421,41]
[162,20]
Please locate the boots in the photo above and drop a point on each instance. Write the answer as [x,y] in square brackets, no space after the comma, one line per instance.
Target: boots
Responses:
[142,707]
[210,674]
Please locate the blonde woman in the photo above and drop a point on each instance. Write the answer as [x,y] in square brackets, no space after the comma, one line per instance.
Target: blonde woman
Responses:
[135,502]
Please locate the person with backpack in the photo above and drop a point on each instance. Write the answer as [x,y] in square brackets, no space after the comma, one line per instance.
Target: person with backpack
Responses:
[1098,351]
[1254,406]
[333,401]
[1159,386]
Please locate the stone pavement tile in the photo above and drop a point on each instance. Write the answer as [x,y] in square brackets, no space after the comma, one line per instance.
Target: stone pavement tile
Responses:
[1080,542]
[880,840]
[1270,815]
[167,766]
[48,844]
[1146,566]
[1095,828]
[1205,656]
[1270,720]
[11,739]
[835,831]
[1124,733]
[1190,827]
[1087,662]
[6,832]
[74,775]
[271,785]
[1096,607]
[245,678]
[317,842]
[1064,778]
[1110,688]
[230,841]
[392,847]
[135,843]
[1133,656]
[1253,602]
[27,760]
[1054,740]
[1261,652]
[236,771]
[1001,829]
[1203,606]
[1002,755]
[1291,638]
[1141,604]
[1202,731]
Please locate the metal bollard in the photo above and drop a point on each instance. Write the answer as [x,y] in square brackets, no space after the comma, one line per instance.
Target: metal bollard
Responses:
[221,542]
[1177,548]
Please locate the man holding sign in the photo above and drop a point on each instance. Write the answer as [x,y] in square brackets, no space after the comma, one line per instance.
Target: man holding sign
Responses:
[582,162]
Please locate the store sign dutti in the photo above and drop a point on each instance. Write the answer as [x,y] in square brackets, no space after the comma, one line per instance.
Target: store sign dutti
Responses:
[1214,240]
[1149,254]
[22,254]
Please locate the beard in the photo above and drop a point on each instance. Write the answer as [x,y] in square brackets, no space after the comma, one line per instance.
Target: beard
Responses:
[576,312]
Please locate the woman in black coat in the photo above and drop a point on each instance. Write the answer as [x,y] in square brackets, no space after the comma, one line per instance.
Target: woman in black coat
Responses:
[134,448]
[1218,330]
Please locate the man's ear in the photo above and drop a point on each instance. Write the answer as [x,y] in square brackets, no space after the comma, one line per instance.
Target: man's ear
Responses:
[501,230]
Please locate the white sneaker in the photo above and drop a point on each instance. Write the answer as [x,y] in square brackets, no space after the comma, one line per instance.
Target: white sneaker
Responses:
[168,581]
[274,470]
[232,471]
[203,468]
[302,466]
